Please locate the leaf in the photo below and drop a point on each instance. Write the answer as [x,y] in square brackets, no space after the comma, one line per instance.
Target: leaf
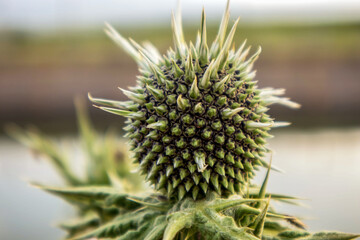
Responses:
[136,233]
[333,236]
[262,191]
[177,222]
[293,234]
[223,204]
[113,229]
[260,220]
[217,227]
[89,139]
[154,206]
[81,224]
[158,229]
[121,225]
[93,195]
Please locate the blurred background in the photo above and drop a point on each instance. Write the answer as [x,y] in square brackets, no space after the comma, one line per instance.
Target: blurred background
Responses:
[54,50]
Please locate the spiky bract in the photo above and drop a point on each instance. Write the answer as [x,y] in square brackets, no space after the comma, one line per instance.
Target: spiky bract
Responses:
[197,121]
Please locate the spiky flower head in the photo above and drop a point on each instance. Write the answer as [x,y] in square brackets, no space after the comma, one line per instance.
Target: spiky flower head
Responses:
[196,120]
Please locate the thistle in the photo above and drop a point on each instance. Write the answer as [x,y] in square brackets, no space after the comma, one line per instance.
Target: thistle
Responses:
[198,126]
[196,119]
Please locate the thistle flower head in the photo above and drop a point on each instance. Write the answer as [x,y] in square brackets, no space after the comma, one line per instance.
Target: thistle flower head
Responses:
[196,120]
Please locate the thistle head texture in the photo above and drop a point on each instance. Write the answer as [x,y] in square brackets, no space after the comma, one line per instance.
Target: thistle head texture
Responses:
[196,120]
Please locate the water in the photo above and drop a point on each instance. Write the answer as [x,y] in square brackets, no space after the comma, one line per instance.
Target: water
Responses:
[320,165]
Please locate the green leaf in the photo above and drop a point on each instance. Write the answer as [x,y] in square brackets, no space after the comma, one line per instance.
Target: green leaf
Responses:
[293,234]
[260,221]
[218,227]
[93,195]
[158,229]
[223,204]
[177,222]
[135,233]
[81,224]
[122,224]
[333,236]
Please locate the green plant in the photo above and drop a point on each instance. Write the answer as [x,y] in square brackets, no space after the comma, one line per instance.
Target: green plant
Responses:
[107,163]
[197,124]
[196,120]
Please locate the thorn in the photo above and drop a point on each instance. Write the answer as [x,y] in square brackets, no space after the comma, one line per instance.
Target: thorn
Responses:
[251,124]
[253,58]
[139,98]
[181,192]
[160,125]
[178,36]
[123,43]
[203,48]
[223,25]
[189,68]
[177,71]
[280,124]
[182,103]
[194,90]
[157,93]
[205,80]
[159,75]
[110,103]
[228,113]
[219,86]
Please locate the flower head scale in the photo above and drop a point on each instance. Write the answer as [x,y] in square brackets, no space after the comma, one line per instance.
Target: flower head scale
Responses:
[196,120]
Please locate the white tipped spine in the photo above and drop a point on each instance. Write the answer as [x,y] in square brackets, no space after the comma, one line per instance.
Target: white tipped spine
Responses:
[139,98]
[268,100]
[281,124]
[252,124]
[123,43]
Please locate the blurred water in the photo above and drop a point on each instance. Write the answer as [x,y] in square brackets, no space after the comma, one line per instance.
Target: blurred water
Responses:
[321,165]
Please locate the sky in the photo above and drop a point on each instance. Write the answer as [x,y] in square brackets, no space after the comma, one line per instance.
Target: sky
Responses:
[49,14]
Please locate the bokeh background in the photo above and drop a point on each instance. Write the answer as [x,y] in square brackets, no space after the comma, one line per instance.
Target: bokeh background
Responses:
[54,50]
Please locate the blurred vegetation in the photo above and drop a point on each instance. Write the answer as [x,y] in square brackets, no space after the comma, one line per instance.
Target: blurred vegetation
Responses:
[340,41]
[41,72]
[106,157]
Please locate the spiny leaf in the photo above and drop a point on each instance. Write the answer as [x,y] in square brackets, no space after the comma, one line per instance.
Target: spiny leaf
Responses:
[79,225]
[222,227]
[90,195]
[154,206]
[260,221]
[177,222]
[158,229]
[138,233]
[332,236]
[262,190]
[222,204]
[292,234]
